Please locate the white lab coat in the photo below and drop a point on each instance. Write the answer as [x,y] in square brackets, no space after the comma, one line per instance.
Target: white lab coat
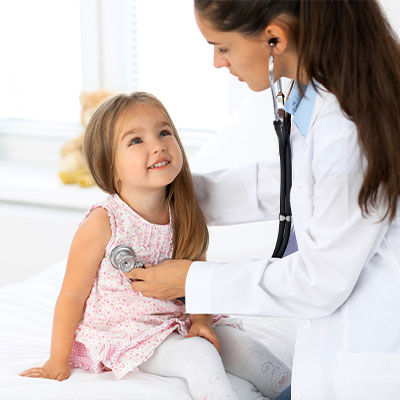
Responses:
[344,280]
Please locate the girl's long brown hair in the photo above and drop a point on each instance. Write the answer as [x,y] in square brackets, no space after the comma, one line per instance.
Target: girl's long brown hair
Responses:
[190,230]
[350,48]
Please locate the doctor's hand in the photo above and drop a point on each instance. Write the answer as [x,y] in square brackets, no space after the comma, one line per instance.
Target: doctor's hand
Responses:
[163,281]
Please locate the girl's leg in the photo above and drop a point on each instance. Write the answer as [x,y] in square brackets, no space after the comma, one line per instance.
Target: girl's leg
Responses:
[196,360]
[248,358]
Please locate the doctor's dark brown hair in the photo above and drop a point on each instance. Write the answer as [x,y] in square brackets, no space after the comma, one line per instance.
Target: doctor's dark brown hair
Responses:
[190,230]
[351,49]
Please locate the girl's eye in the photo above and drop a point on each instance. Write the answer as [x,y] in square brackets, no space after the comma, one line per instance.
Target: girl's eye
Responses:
[135,141]
[222,50]
[165,133]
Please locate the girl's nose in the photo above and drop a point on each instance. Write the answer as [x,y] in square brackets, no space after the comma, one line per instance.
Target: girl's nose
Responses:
[219,59]
[158,146]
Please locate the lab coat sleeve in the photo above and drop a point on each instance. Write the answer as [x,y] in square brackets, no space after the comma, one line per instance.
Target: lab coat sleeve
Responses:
[244,194]
[334,244]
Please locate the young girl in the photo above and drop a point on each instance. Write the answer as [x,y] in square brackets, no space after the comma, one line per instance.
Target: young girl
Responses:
[101,324]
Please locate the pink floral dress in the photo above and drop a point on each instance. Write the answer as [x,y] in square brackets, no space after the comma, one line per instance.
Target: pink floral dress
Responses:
[120,327]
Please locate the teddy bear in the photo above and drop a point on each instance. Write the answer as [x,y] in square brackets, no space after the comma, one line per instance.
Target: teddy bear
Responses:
[72,168]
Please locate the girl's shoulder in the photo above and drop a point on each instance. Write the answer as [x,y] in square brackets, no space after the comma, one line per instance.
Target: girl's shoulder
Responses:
[98,216]
[96,226]
[102,215]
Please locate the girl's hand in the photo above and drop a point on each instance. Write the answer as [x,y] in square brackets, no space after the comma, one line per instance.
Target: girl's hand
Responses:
[50,370]
[202,327]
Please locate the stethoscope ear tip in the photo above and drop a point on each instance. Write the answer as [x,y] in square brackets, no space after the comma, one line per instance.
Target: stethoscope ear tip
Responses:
[272,42]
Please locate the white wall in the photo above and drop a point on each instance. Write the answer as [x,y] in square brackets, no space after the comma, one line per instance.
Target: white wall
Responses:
[33,238]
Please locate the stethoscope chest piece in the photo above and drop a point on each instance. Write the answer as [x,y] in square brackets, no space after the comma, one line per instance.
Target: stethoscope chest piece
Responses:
[123,258]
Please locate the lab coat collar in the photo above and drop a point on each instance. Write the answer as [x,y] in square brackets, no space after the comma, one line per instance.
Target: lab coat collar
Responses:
[301,108]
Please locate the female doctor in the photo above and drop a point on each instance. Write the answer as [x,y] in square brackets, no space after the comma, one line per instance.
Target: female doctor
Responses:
[343,281]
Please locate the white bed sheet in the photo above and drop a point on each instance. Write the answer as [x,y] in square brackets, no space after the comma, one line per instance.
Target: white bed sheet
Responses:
[26,312]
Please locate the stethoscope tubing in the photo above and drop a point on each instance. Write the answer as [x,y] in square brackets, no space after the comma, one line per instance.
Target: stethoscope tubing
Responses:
[285,213]
[283,133]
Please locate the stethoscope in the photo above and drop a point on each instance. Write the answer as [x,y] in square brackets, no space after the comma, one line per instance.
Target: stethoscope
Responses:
[282,129]
[123,257]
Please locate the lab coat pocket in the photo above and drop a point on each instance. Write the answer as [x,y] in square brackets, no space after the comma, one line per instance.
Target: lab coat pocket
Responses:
[367,376]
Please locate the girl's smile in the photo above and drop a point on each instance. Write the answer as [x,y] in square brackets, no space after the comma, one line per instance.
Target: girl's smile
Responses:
[160,164]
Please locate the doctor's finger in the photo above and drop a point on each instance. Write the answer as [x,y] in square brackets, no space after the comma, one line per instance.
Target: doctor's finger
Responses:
[139,286]
[137,273]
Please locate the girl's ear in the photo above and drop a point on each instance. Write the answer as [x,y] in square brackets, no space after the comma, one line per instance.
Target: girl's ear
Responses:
[118,184]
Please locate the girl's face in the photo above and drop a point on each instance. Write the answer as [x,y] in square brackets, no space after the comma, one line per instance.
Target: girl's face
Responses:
[147,155]
[245,57]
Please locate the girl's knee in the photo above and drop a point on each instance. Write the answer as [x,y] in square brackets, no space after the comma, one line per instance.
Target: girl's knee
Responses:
[202,347]
[199,342]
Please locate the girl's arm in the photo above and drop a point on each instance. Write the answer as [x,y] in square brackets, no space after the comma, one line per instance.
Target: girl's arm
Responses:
[87,250]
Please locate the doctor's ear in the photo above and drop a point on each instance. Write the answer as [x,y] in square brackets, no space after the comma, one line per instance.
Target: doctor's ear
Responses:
[277,35]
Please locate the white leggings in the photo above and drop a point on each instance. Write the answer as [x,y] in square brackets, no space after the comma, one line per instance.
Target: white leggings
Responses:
[196,360]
